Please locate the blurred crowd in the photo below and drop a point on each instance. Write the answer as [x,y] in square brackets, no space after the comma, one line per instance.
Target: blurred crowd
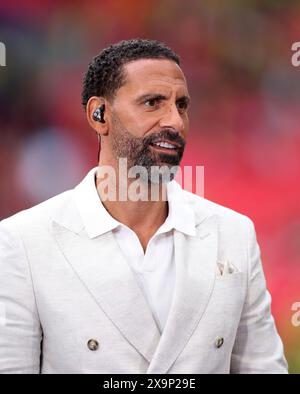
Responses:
[245,117]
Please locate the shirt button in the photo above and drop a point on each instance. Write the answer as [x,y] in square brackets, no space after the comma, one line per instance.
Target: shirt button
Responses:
[219,342]
[93,344]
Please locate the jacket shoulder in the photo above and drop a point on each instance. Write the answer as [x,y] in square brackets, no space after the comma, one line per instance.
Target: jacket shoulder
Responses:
[225,215]
[40,214]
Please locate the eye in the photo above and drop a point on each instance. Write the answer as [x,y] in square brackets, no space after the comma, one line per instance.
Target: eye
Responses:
[182,106]
[151,102]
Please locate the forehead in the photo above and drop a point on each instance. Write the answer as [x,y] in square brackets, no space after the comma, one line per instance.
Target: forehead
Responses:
[143,74]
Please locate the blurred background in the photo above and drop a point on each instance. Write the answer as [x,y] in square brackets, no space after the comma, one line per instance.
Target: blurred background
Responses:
[245,114]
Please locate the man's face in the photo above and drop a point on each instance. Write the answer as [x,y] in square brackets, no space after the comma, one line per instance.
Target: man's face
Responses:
[150,109]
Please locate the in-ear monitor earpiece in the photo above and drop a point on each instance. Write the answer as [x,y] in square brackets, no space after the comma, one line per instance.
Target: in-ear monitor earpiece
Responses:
[98,115]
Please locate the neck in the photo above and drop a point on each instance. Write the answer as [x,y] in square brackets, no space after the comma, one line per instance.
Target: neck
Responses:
[119,195]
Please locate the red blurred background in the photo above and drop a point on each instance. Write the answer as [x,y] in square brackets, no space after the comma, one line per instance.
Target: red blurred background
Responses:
[245,118]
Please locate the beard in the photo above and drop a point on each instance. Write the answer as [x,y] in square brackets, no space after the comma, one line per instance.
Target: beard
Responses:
[160,167]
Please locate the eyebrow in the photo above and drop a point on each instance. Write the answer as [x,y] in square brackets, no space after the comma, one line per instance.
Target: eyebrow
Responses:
[160,96]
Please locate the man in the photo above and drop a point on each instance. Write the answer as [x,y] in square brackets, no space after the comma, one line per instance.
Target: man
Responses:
[96,280]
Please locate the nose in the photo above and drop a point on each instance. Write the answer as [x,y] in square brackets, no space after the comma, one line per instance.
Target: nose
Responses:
[173,119]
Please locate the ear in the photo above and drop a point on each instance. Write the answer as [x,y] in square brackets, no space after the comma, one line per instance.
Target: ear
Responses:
[93,103]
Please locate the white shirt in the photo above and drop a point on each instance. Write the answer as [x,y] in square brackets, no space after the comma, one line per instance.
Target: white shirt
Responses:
[155,270]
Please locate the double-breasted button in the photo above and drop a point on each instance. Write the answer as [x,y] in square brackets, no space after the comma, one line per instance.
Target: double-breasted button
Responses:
[219,342]
[93,344]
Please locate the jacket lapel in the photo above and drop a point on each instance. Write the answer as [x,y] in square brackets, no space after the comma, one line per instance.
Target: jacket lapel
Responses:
[195,259]
[105,274]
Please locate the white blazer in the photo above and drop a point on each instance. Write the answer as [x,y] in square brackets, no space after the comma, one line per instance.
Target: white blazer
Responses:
[69,303]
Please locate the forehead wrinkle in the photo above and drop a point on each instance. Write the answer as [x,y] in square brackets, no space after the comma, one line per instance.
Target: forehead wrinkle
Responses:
[167,70]
[156,86]
[154,83]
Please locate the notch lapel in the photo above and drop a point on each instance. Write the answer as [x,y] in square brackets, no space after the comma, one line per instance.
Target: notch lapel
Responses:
[195,259]
[101,267]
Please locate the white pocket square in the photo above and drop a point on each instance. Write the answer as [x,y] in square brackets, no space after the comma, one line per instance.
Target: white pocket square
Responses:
[226,268]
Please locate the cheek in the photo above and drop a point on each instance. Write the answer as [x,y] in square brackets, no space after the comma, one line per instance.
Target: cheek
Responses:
[140,125]
[186,124]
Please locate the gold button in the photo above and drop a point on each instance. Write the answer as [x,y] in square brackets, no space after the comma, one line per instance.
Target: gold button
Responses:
[93,344]
[219,342]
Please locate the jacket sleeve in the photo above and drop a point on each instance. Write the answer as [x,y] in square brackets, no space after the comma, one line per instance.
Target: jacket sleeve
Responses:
[258,347]
[20,331]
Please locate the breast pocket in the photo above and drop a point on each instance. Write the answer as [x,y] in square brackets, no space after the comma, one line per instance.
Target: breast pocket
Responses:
[235,279]
[228,296]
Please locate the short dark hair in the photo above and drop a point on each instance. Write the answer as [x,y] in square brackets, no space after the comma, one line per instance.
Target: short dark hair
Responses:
[105,74]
